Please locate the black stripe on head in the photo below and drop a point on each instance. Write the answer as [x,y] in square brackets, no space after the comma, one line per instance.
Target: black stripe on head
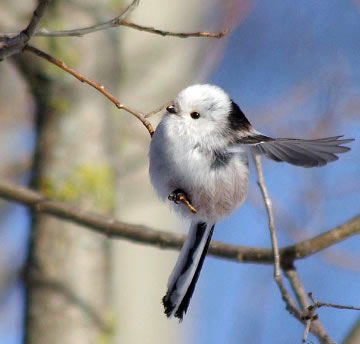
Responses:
[237,119]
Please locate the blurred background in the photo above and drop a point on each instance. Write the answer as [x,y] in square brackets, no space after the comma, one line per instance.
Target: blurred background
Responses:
[294,69]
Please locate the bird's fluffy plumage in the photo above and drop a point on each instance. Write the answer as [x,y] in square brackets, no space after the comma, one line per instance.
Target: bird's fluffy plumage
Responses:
[206,156]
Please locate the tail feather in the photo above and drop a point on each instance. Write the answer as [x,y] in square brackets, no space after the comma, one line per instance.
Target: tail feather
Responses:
[183,279]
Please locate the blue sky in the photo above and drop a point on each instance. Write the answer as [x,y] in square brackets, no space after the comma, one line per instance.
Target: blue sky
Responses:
[289,65]
[278,54]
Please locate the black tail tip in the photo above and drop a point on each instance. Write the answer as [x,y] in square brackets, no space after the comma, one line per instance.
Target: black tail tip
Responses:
[168,305]
[169,308]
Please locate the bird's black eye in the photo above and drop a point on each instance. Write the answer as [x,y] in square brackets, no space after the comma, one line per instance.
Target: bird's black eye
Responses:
[195,115]
[171,109]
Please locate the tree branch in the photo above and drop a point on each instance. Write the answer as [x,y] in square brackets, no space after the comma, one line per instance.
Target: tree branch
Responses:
[308,317]
[145,235]
[140,116]
[117,21]
[319,304]
[14,45]
[113,23]
[311,323]
[290,304]
[173,34]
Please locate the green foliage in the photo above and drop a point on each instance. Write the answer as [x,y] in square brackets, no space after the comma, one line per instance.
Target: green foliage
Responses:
[94,182]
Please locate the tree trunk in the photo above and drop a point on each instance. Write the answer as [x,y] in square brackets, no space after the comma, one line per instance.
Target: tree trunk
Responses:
[67,269]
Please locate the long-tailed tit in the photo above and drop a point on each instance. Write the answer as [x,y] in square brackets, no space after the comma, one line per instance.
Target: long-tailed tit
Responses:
[200,150]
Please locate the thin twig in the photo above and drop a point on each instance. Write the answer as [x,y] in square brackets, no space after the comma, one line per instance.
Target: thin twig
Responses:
[92,83]
[116,22]
[311,321]
[136,233]
[306,330]
[319,304]
[78,32]
[173,34]
[157,110]
[290,303]
[268,206]
[298,288]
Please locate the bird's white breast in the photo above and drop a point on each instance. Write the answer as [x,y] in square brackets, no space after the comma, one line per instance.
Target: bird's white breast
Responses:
[177,161]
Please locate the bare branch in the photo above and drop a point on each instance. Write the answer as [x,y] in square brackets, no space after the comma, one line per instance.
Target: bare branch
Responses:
[310,325]
[353,336]
[290,304]
[141,234]
[268,206]
[117,229]
[15,44]
[116,22]
[308,317]
[306,330]
[157,110]
[92,83]
[319,304]
[173,34]
[318,243]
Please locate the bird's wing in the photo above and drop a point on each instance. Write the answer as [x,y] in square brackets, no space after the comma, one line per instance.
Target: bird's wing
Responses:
[306,153]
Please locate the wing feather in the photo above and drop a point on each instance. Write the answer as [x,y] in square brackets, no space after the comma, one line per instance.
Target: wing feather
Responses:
[306,153]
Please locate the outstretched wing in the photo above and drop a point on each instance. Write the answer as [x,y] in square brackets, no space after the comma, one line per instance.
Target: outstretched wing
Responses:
[306,153]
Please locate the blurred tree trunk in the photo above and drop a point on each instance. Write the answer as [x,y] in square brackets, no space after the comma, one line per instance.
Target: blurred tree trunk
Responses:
[68,267]
[67,271]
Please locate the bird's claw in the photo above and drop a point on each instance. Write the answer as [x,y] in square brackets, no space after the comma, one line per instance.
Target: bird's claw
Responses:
[178,196]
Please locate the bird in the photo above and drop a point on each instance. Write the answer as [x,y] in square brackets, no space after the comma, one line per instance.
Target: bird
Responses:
[199,152]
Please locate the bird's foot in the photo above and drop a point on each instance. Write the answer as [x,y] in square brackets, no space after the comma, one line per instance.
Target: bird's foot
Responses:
[178,196]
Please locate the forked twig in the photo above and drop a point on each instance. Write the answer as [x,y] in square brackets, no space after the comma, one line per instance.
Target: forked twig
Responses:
[96,85]
[319,304]
[13,44]
[116,22]
[317,329]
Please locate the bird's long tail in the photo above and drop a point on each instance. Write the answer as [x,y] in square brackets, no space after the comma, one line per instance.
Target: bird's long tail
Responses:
[183,278]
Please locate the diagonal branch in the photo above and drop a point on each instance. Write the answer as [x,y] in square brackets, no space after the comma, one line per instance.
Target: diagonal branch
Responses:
[140,116]
[308,317]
